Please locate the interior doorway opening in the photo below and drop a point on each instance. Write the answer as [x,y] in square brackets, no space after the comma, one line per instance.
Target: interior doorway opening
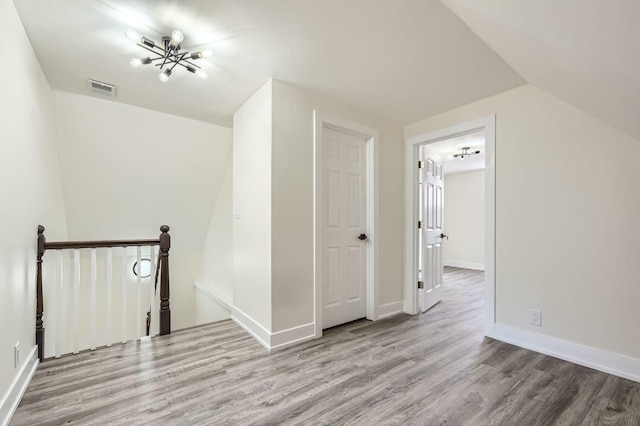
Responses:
[450,211]
[464,148]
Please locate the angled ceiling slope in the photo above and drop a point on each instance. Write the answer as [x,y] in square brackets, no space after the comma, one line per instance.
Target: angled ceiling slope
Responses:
[403,60]
[582,51]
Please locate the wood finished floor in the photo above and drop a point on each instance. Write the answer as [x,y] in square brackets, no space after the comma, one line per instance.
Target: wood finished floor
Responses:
[431,369]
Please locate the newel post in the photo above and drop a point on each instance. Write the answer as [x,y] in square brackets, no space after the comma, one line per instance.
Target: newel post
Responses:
[39,302]
[165,312]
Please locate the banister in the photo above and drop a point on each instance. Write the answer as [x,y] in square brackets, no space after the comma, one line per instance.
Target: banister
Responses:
[64,245]
[164,241]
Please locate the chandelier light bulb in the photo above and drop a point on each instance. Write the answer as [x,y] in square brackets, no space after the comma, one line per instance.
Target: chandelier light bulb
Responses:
[164,75]
[176,38]
[136,62]
[203,75]
[207,53]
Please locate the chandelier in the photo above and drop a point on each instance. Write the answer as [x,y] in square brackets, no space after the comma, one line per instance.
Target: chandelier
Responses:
[466,153]
[168,54]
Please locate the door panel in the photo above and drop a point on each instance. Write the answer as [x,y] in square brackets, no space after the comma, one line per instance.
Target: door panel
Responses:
[344,198]
[431,215]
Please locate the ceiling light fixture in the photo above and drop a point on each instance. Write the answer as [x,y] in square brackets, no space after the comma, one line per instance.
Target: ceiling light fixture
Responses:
[465,153]
[168,54]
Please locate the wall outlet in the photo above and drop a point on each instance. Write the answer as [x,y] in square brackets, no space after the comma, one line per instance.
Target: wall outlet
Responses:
[16,355]
[535,317]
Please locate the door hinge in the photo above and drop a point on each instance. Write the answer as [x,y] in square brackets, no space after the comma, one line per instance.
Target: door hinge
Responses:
[421,164]
[419,224]
[420,284]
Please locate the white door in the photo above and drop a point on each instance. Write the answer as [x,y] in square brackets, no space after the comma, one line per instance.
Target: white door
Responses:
[344,221]
[431,217]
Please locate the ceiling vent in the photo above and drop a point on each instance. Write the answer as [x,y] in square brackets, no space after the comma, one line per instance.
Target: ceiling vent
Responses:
[104,89]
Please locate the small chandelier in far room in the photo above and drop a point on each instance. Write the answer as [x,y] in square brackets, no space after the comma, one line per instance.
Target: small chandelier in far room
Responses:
[466,153]
[168,54]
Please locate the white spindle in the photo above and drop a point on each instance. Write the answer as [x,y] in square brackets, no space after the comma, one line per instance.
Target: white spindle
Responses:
[152,292]
[109,292]
[94,282]
[124,295]
[76,301]
[59,310]
[139,294]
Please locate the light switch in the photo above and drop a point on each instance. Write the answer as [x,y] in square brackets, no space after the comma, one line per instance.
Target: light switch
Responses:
[236,212]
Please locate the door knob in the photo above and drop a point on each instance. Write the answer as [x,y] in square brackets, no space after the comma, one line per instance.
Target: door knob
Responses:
[362,237]
[443,236]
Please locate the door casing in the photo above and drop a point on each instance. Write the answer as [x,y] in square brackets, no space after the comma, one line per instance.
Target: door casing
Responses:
[322,120]
[488,125]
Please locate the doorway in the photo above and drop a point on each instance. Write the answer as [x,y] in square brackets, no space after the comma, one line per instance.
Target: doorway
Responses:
[344,219]
[414,252]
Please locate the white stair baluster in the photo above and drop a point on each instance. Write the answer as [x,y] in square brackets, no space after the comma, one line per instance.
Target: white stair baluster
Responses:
[139,294]
[124,295]
[109,292]
[76,301]
[152,292]
[59,309]
[94,282]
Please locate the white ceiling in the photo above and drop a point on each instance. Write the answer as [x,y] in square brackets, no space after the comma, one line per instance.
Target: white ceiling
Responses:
[582,51]
[448,148]
[404,60]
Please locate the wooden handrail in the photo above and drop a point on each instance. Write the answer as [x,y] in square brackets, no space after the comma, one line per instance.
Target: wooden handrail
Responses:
[164,241]
[65,245]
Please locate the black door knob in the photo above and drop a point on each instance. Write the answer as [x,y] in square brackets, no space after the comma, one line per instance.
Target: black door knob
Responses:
[443,236]
[362,237]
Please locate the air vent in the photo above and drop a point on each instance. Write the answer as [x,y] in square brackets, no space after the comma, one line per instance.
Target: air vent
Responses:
[104,89]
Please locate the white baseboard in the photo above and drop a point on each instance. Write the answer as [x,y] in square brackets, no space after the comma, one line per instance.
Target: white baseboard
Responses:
[389,309]
[252,327]
[14,394]
[462,264]
[598,359]
[270,341]
[284,338]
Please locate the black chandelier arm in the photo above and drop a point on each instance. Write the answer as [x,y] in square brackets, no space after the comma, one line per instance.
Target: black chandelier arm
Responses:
[161,52]
[177,62]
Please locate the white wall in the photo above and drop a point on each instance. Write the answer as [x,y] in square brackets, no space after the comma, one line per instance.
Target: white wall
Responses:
[292,214]
[567,229]
[252,197]
[464,219]
[273,188]
[217,256]
[127,170]
[30,188]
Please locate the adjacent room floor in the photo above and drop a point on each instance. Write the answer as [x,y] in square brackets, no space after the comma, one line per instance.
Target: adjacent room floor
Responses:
[431,369]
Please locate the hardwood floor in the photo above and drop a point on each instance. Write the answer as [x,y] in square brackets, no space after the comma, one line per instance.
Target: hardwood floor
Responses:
[430,369]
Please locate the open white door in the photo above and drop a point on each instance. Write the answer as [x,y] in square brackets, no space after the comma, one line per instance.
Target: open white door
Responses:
[431,218]
[344,209]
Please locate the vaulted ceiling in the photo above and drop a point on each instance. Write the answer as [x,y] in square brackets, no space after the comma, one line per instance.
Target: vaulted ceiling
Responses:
[585,52]
[404,60]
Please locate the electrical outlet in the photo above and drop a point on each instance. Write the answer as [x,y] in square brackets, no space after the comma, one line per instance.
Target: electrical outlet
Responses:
[535,317]
[16,355]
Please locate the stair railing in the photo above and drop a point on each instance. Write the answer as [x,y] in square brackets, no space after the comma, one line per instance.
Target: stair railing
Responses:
[162,271]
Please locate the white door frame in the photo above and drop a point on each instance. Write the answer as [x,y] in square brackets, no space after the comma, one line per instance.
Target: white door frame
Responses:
[320,121]
[488,125]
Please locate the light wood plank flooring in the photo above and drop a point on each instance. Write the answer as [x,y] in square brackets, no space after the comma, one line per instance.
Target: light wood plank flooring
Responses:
[430,369]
